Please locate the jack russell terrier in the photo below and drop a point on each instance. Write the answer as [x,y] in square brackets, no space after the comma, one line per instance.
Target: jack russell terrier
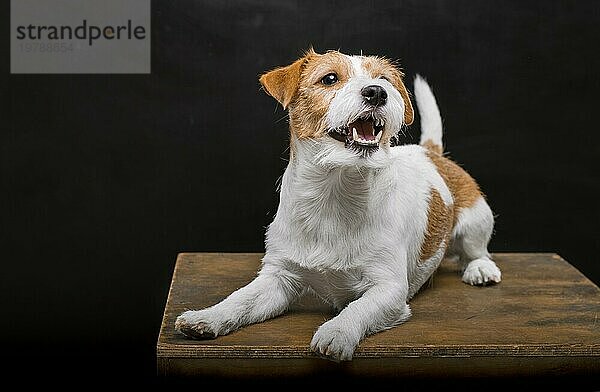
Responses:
[361,224]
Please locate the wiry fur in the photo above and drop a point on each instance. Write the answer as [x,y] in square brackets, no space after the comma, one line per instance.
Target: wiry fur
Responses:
[431,121]
[351,227]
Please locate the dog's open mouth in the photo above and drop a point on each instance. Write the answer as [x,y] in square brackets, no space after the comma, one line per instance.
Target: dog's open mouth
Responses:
[363,133]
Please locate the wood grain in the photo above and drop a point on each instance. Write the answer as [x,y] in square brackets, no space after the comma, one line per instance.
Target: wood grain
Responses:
[542,318]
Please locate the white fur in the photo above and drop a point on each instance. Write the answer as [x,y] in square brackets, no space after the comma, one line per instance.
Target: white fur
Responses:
[431,121]
[471,235]
[349,229]
[357,67]
[348,104]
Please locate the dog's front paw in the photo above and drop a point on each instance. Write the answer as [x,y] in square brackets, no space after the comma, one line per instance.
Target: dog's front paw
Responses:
[334,342]
[196,324]
[481,272]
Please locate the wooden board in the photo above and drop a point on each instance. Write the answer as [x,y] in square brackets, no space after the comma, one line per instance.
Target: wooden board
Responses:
[544,318]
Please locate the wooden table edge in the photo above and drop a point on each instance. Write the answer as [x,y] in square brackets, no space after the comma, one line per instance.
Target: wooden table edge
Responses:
[169,350]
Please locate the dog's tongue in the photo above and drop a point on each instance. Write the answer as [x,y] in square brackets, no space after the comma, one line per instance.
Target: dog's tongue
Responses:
[364,129]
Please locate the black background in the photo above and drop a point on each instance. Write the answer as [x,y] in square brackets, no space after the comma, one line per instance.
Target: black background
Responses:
[105,178]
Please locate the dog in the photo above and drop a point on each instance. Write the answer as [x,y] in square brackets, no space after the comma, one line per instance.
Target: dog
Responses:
[361,224]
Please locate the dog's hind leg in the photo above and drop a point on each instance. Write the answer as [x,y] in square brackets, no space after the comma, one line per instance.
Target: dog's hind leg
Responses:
[470,238]
[267,296]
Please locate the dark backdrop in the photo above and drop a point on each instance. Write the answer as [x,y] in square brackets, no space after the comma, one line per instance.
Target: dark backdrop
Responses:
[105,178]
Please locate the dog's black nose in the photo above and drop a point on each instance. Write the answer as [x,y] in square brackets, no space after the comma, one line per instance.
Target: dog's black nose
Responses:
[374,95]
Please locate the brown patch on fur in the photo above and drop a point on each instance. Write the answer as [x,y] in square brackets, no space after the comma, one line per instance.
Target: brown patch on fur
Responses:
[441,219]
[439,225]
[431,146]
[282,83]
[308,114]
[298,87]
[378,67]
[463,187]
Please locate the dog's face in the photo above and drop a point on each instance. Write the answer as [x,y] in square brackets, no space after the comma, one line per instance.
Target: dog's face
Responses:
[360,101]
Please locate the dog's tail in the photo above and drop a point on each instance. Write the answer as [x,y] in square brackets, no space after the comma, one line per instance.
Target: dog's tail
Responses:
[431,121]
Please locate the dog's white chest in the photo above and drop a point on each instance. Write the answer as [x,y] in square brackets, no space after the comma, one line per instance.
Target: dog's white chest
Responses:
[337,287]
[348,217]
[331,221]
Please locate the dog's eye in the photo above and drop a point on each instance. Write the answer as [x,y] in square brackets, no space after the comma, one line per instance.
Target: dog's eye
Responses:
[329,79]
[384,78]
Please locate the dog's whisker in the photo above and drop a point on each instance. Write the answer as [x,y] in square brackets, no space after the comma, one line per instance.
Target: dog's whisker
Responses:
[282,118]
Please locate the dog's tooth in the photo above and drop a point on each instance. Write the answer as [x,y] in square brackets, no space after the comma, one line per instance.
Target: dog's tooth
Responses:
[354,134]
[378,136]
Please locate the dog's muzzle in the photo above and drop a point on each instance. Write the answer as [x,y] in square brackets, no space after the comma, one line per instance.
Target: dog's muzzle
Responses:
[363,133]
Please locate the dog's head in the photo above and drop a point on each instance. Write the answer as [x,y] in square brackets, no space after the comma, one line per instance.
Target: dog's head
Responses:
[358,101]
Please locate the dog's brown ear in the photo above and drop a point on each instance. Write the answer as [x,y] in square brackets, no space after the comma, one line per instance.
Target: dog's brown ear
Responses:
[408,109]
[282,83]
